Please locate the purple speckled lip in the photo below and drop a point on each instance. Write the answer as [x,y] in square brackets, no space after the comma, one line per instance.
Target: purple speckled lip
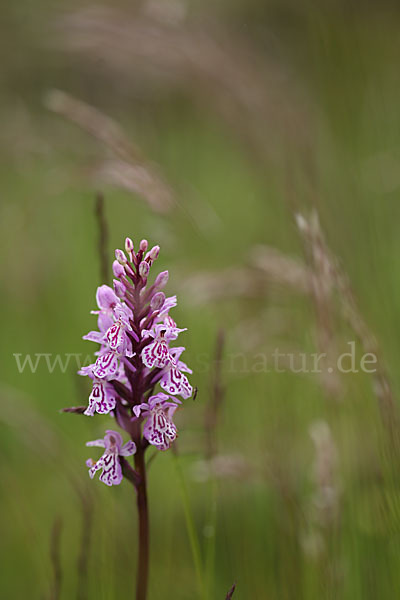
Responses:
[108,463]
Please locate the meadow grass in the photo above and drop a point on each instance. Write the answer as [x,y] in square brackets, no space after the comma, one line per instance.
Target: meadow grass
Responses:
[259,520]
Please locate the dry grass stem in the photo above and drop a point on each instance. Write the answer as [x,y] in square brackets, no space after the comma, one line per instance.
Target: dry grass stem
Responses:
[321,285]
[127,168]
[282,269]
[224,466]
[258,96]
[326,495]
[331,276]
[229,283]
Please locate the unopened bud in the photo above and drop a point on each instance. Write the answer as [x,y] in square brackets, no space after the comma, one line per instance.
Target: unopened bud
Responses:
[118,269]
[128,245]
[120,256]
[161,280]
[129,248]
[154,252]
[157,301]
[144,269]
[144,244]
[119,288]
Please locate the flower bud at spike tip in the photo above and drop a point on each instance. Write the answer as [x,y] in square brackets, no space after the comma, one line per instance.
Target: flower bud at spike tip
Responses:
[157,301]
[161,279]
[120,256]
[119,288]
[154,252]
[144,244]
[144,269]
[129,248]
[128,245]
[118,269]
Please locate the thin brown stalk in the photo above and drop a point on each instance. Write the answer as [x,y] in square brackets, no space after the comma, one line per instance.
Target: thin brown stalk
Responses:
[76,410]
[216,398]
[230,593]
[129,472]
[55,559]
[102,236]
[143,513]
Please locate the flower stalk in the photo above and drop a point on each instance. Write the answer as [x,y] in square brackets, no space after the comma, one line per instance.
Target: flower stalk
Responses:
[143,530]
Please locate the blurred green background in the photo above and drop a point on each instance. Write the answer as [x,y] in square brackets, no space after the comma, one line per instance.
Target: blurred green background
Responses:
[252,111]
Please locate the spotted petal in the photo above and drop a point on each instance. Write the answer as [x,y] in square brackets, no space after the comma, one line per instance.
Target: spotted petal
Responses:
[106,365]
[94,336]
[102,399]
[128,449]
[176,383]
[139,408]
[100,443]
[156,354]
[169,303]
[159,430]
[111,469]
[123,313]
[104,321]
[116,337]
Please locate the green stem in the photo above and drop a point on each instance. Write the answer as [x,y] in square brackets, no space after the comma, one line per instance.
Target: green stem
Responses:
[193,538]
[210,547]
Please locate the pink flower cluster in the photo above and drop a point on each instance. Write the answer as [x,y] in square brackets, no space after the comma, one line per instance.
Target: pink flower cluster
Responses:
[135,332]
